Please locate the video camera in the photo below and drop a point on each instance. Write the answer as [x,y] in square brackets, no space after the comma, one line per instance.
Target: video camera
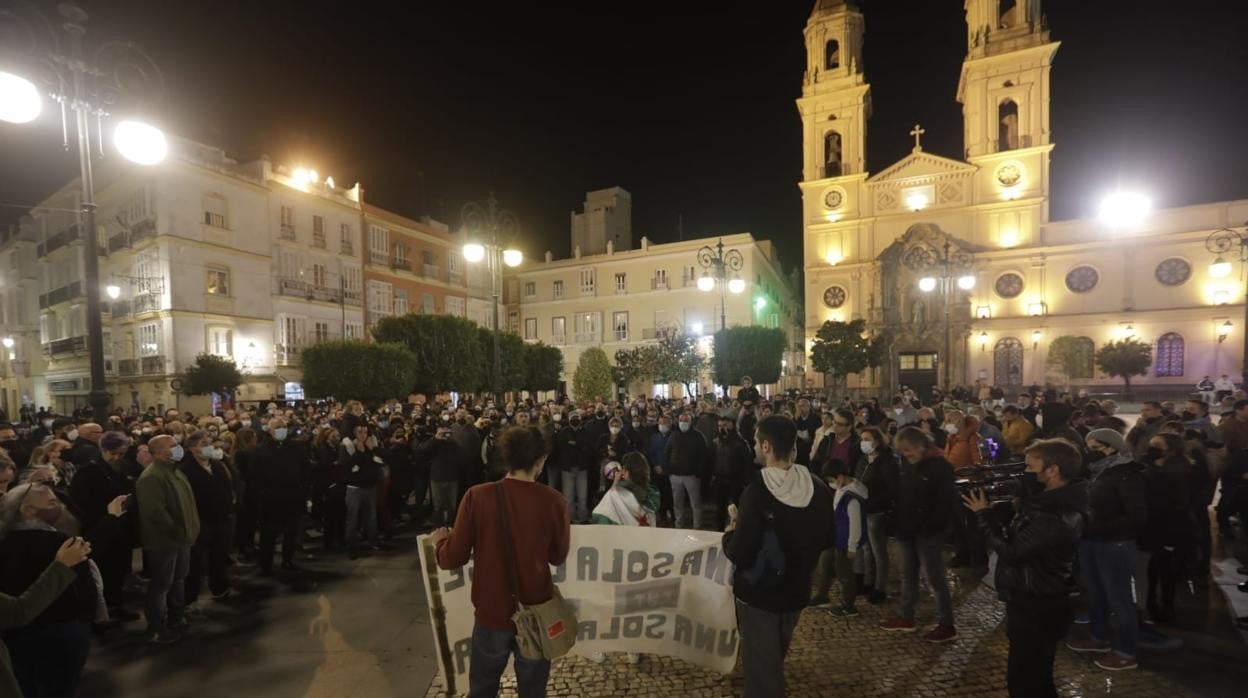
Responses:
[1001,482]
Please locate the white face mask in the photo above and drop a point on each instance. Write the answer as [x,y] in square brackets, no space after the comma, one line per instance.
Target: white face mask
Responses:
[615,430]
[898,410]
[206,452]
[951,428]
[867,447]
[71,435]
[557,417]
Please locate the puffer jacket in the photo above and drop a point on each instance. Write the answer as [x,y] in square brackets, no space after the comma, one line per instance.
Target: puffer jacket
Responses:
[1036,552]
[1117,500]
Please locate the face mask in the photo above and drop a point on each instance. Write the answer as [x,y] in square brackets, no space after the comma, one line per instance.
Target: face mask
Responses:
[636,425]
[510,412]
[1031,483]
[177,438]
[898,410]
[146,430]
[684,426]
[383,425]
[47,424]
[951,428]
[614,430]
[8,444]
[664,428]
[1153,454]
[868,447]
[71,435]
[218,453]
[176,453]
[557,417]
[280,433]
[207,452]
[575,423]
[602,415]
[1188,416]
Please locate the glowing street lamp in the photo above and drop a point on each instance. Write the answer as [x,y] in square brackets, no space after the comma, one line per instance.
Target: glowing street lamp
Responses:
[19,99]
[951,267]
[737,285]
[8,342]
[706,283]
[486,226]
[513,258]
[113,291]
[140,143]
[1124,208]
[1220,268]
[473,252]
[966,283]
[927,284]
[719,263]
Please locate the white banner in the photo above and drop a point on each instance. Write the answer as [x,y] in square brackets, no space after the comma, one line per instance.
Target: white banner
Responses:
[637,589]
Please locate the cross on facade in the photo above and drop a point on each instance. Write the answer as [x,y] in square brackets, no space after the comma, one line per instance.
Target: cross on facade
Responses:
[917,132]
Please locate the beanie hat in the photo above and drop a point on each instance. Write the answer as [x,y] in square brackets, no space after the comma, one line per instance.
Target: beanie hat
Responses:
[1110,438]
[113,440]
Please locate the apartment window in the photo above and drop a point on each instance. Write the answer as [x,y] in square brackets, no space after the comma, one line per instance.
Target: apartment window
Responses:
[400,253]
[620,283]
[220,341]
[400,301]
[378,244]
[216,211]
[530,328]
[455,306]
[558,290]
[218,281]
[351,282]
[619,322]
[452,262]
[660,278]
[530,289]
[345,239]
[149,339]
[588,278]
[290,331]
[379,298]
[288,222]
[513,322]
[426,257]
[320,276]
[354,330]
[559,330]
[318,231]
[320,331]
[773,320]
[426,304]
[588,327]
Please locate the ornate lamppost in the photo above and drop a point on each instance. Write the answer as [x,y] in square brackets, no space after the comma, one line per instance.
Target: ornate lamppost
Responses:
[1224,242]
[486,226]
[722,269]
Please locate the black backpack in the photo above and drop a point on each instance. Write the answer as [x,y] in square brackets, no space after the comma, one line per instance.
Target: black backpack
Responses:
[767,572]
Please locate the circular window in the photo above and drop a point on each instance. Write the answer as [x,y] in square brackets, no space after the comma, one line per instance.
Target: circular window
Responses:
[1082,279]
[834,297]
[1009,285]
[1173,271]
[834,198]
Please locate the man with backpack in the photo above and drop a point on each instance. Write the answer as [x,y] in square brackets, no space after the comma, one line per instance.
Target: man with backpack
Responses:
[784,522]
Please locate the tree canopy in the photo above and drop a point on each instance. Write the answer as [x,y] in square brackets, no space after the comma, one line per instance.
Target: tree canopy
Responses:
[355,370]
[448,350]
[593,379]
[543,367]
[1125,358]
[840,349]
[212,374]
[748,351]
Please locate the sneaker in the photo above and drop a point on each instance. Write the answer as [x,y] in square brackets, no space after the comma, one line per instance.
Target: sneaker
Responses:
[1090,645]
[1116,662]
[877,597]
[844,612]
[899,625]
[818,601]
[941,633]
[223,595]
[163,639]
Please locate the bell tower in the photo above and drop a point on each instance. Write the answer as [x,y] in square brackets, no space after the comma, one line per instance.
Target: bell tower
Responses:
[836,101]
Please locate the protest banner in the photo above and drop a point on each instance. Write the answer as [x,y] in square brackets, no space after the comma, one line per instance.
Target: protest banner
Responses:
[636,589]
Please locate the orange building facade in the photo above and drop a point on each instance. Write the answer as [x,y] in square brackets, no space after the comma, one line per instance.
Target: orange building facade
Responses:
[410,266]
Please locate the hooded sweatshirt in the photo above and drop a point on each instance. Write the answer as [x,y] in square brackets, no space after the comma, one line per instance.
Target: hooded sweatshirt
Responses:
[849,503]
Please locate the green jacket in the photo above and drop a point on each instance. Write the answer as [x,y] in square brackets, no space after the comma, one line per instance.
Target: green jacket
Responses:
[168,519]
[17,611]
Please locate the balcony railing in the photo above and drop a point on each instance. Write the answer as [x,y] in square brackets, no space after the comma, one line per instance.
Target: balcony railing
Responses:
[323,293]
[150,365]
[292,287]
[287,354]
[287,232]
[375,257]
[650,333]
[345,247]
[658,284]
[404,264]
[65,346]
[429,271]
[621,335]
[145,303]
[587,337]
[559,339]
[128,367]
[63,294]
[61,239]
[318,239]
[353,297]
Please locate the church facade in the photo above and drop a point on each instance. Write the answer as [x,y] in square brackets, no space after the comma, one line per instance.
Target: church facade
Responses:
[955,261]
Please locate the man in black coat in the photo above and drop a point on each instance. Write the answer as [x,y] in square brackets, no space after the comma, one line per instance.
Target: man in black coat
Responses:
[688,458]
[574,454]
[359,459]
[734,467]
[1035,561]
[94,487]
[807,423]
[281,466]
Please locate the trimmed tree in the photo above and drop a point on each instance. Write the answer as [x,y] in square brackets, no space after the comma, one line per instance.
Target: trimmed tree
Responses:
[748,351]
[513,367]
[211,374]
[448,350]
[1066,356]
[593,379]
[543,367]
[354,370]
[1125,358]
[680,361]
[840,349]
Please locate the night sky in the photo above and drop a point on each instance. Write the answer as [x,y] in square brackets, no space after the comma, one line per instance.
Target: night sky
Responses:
[689,105]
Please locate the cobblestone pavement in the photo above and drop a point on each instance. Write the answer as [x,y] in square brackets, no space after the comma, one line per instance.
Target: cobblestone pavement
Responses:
[853,657]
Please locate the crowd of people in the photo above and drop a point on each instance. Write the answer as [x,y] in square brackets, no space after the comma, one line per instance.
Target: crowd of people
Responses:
[810,492]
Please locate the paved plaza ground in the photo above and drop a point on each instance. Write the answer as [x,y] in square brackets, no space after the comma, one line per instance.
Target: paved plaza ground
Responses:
[360,629]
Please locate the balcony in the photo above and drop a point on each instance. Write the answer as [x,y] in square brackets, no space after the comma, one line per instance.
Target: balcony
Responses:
[353,297]
[657,284]
[145,303]
[318,239]
[68,345]
[287,354]
[650,333]
[293,287]
[324,293]
[287,232]
[128,367]
[559,339]
[621,335]
[587,337]
[61,239]
[63,294]
[345,247]
[430,271]
[152,365]
[377,257]
[400,264]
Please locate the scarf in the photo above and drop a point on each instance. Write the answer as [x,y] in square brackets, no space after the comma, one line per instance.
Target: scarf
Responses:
[792,487]
[621,506]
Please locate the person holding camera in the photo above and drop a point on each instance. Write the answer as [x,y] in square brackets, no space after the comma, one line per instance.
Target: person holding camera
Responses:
[1035,560]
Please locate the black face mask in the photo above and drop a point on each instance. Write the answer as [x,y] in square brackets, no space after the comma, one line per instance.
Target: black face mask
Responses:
[1154,454]
[725,432]
[1188,416]
[1031,483]
[9,444]
[576,423]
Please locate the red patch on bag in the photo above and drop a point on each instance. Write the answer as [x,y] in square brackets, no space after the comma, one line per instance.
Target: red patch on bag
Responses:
[555,630]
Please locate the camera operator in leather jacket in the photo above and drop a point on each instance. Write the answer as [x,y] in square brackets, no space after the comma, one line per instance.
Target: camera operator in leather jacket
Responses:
[1035,560]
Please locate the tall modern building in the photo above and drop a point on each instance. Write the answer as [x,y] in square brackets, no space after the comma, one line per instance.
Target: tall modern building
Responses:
[953,257]
[606,221]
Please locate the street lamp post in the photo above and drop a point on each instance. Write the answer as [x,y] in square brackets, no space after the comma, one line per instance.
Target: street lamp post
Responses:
[485,226]
[1222,242]
[119,73]
[718,265]
[949,266]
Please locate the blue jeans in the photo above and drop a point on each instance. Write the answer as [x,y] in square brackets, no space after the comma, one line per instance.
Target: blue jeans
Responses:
[490,650]
[1108,567]
[576,491]
[926,553]
[361,500]
[166,590]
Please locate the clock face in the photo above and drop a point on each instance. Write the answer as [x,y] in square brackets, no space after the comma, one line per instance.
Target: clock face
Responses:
[1009,285]
[1009,174]
[1082,279]
[834,297]
[1173,271]
[834,198]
